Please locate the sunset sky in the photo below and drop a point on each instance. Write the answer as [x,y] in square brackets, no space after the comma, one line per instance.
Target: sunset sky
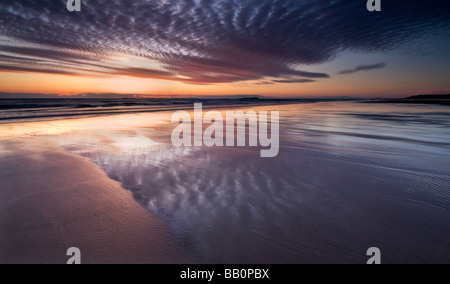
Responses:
[285,48]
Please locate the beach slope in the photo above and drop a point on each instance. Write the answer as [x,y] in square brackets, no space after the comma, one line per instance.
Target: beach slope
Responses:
[51,200]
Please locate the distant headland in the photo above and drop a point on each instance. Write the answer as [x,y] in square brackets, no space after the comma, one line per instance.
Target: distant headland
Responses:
[420,99]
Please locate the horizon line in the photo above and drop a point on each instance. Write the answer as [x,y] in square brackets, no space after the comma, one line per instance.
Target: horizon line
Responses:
[18,95]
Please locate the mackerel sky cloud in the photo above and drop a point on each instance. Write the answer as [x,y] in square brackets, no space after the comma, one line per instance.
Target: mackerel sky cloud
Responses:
[208,41]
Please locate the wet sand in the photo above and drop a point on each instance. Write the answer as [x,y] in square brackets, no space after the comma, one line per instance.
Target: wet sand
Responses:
[349,176]
[52,200]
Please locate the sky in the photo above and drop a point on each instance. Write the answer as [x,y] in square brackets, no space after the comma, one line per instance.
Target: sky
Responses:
[284,48]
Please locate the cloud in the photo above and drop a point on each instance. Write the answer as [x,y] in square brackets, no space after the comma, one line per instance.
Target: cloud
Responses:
[262,83]
[205,41]
[363,68]
[294,81]
[34,69]
[143,73]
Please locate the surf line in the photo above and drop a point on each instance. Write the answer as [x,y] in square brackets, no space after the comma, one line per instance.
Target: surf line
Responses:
[214,135]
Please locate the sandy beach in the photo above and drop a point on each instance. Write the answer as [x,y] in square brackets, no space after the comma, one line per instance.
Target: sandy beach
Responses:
[52,200]
[349,176]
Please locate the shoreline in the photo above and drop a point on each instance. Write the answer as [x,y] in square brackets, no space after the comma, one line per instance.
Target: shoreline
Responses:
[100,108]
[52,200]
[223,205]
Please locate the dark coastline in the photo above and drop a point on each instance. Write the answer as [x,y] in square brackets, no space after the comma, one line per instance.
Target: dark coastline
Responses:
[421,99]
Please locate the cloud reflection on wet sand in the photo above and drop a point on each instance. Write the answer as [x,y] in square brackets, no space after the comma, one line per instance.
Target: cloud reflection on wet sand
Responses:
[333,192]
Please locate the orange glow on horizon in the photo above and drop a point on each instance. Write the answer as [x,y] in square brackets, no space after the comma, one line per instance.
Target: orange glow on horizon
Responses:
[72,85]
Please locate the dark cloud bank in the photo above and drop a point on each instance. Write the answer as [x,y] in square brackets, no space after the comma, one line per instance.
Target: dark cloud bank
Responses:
[363,68]
[206,41]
